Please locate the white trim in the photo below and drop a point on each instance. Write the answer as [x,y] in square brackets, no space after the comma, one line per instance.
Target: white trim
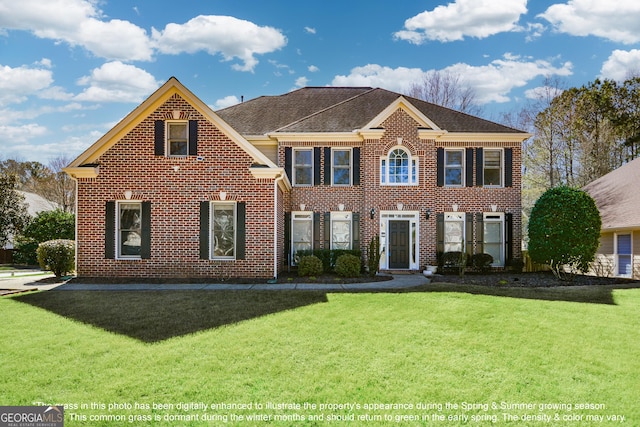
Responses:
[119,255]
[496,218]
[347,216]
[332,165]
[414,169]
[616,255]
[293,166]
[413,217]
[462,167]
[502,167]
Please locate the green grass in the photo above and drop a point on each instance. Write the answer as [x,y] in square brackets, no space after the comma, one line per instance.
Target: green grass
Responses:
[431,347]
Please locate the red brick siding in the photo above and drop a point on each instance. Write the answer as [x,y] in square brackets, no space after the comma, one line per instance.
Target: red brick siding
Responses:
[130,164]
[425,195]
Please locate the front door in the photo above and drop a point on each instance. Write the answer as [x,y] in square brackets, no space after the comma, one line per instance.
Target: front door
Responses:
[398,244]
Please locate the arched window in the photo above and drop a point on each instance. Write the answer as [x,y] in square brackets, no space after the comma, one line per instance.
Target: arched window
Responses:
[398,168]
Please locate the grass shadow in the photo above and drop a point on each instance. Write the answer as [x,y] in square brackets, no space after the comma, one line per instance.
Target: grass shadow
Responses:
[152,316]
[602,294]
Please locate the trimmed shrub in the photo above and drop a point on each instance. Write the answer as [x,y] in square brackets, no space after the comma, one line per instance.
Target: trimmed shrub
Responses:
[328,256]
[454,262]
[57,256]
[348,266]
[309,265]
[481,262]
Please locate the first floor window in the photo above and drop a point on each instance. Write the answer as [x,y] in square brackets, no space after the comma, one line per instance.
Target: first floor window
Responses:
[129,229]
[493,232]
[223,230]
[453,231]
[624,255]
[340,230]
[301,233]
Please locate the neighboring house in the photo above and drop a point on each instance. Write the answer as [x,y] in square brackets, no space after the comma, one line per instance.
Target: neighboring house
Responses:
[35,204]
[178,190]
[618,200]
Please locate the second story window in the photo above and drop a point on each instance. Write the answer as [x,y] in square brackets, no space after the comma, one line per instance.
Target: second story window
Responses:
[398,168]
[492,168]
[303,166]
[177,138]
[453,175]
[341,166]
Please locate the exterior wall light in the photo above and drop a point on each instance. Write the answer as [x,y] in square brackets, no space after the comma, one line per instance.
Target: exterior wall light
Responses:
[372,213]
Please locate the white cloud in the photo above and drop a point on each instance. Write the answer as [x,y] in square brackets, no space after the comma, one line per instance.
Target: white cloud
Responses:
[492,82]
[225,102]
[542,92]
[463,18]
[117,82]
[78,23]
[617,21]
[16,84]
[313,69]
[226,35]
[310,30]
[301,82]
[16,135]
[621,65]
[374,75]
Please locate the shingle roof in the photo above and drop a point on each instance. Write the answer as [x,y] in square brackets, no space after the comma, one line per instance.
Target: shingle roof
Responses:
[617,197]
[339,109]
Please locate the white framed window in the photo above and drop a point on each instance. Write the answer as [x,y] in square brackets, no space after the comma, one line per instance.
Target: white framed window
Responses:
[624,254]
[453,168]
[454,231]
[493,237]
[301,233]
[341,166]
[493,169]
[129,235]
[178,138]
[341,230]
[223,226]
[303,166]
[398,168]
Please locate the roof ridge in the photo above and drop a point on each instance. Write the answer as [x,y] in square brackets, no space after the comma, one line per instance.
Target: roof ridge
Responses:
[315,113]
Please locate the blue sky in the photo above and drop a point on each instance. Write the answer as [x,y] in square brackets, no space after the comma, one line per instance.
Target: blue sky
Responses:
[71,69]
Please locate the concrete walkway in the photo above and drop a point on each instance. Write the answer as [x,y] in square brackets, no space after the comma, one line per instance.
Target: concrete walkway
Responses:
[399,281]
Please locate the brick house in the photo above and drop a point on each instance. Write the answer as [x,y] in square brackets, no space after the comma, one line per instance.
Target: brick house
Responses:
[178,190]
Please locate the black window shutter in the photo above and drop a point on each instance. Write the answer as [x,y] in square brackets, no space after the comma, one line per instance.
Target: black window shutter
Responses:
[110,230]
[440,233]
[327,230]
[327,166]
[317,172]
[479,233]
[355,225]
[158,143]
[508,167]
[241,234]
[204,229]
[193,137]
[145,249]
[288,162]
[479,167]
[440,167]
[287,237]
[469,167]
[356,166]
[316,230]
[468,231]
[508,243]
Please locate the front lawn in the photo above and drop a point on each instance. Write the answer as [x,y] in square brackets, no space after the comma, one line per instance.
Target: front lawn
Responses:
[116,355]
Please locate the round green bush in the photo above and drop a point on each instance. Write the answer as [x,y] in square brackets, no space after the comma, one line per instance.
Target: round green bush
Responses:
[348,266]
[309,265]
[57,256]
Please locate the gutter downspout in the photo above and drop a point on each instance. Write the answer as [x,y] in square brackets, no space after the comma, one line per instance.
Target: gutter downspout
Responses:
[275,225]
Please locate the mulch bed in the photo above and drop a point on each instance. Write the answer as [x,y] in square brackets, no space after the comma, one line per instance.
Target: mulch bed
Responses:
[531,280]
